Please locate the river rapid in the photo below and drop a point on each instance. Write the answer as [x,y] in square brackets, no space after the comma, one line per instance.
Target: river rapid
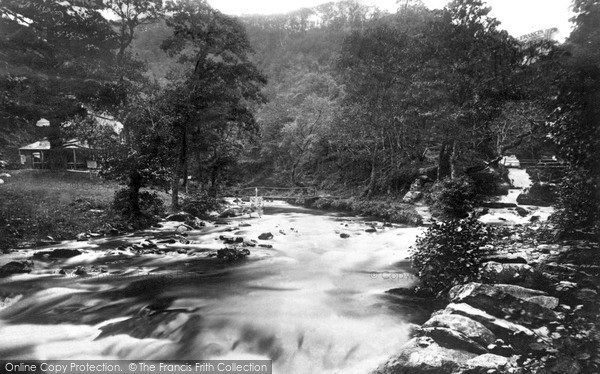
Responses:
[313,303]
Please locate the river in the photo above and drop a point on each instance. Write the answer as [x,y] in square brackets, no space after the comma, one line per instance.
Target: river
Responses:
[313,303]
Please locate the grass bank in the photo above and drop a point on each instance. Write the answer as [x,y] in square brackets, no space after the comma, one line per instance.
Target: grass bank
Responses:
[389,211]
[35,204]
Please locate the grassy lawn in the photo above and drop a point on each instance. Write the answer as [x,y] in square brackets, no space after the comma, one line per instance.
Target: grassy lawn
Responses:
[35,204]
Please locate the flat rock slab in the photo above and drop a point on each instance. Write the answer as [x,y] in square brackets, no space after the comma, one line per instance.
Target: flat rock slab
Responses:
[503,329]
[471,329]
[501,304]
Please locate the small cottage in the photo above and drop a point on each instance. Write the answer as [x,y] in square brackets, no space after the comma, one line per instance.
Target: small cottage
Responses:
[73,155]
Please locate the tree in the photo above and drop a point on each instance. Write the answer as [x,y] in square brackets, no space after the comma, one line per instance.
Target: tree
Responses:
[218,85]
[146,158]
[55,59]
[575,123]
[423,83]
[131,14]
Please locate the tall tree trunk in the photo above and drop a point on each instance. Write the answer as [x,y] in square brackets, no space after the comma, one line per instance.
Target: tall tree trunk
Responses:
[371,188]
[453,160]
[178,168]
[443,162]
[134,185]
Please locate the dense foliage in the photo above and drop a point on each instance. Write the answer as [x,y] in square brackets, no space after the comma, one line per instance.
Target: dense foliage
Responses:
[578,209]
[453,198]
[449,253]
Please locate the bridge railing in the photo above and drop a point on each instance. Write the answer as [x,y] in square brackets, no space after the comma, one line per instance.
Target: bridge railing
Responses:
[271,192]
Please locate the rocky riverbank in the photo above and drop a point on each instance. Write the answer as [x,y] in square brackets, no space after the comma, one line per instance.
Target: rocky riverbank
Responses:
[535,306]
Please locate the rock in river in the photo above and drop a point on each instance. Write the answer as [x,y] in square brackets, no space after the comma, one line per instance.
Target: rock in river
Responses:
[16,267]
[265,236]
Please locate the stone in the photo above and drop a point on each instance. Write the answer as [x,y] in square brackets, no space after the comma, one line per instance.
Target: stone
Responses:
[57,253]
[519,274]
[549,302]
[4,175]
[232,212]
[265,236]
[539,194]
[471,329]
[180,217]
[82,237]
[520,292]
[520,336]
[424,355]
[522,211]
[498,303]
[268,246]
[587,294]
[452,339]
[487,363]
[371,230]
[16,267]
[412,196]
[565,286]
[507,258]
[497,205]
[344,235]
[183,228]
[1,181]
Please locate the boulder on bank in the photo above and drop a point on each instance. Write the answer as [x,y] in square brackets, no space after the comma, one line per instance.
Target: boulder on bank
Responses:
[539,194]
[424,355]
[518,335]
[471,329]
[501,304]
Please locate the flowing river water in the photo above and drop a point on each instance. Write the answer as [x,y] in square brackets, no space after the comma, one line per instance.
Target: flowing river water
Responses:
[313,303]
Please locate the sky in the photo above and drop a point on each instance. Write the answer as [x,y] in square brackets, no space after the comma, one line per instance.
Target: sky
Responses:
[518,17]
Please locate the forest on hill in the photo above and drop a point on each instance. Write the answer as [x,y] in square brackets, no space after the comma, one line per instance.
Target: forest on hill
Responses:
[341,97]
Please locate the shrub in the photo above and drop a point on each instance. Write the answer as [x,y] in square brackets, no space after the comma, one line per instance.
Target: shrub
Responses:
[201,203]
[453,198]
[578,207]
[449,253]
[149,202]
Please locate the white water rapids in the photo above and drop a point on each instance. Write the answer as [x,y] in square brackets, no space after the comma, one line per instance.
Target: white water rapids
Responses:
[314,303]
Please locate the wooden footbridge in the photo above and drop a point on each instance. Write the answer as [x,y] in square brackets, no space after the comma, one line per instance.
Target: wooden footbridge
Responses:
[272,193]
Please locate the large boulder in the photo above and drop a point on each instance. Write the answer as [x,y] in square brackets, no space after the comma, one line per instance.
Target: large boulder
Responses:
[422,355]
[535,296]
[57,253]
[519,336]
[501,304]
[539,194]
[471,329]
[490,181]
[16,267]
